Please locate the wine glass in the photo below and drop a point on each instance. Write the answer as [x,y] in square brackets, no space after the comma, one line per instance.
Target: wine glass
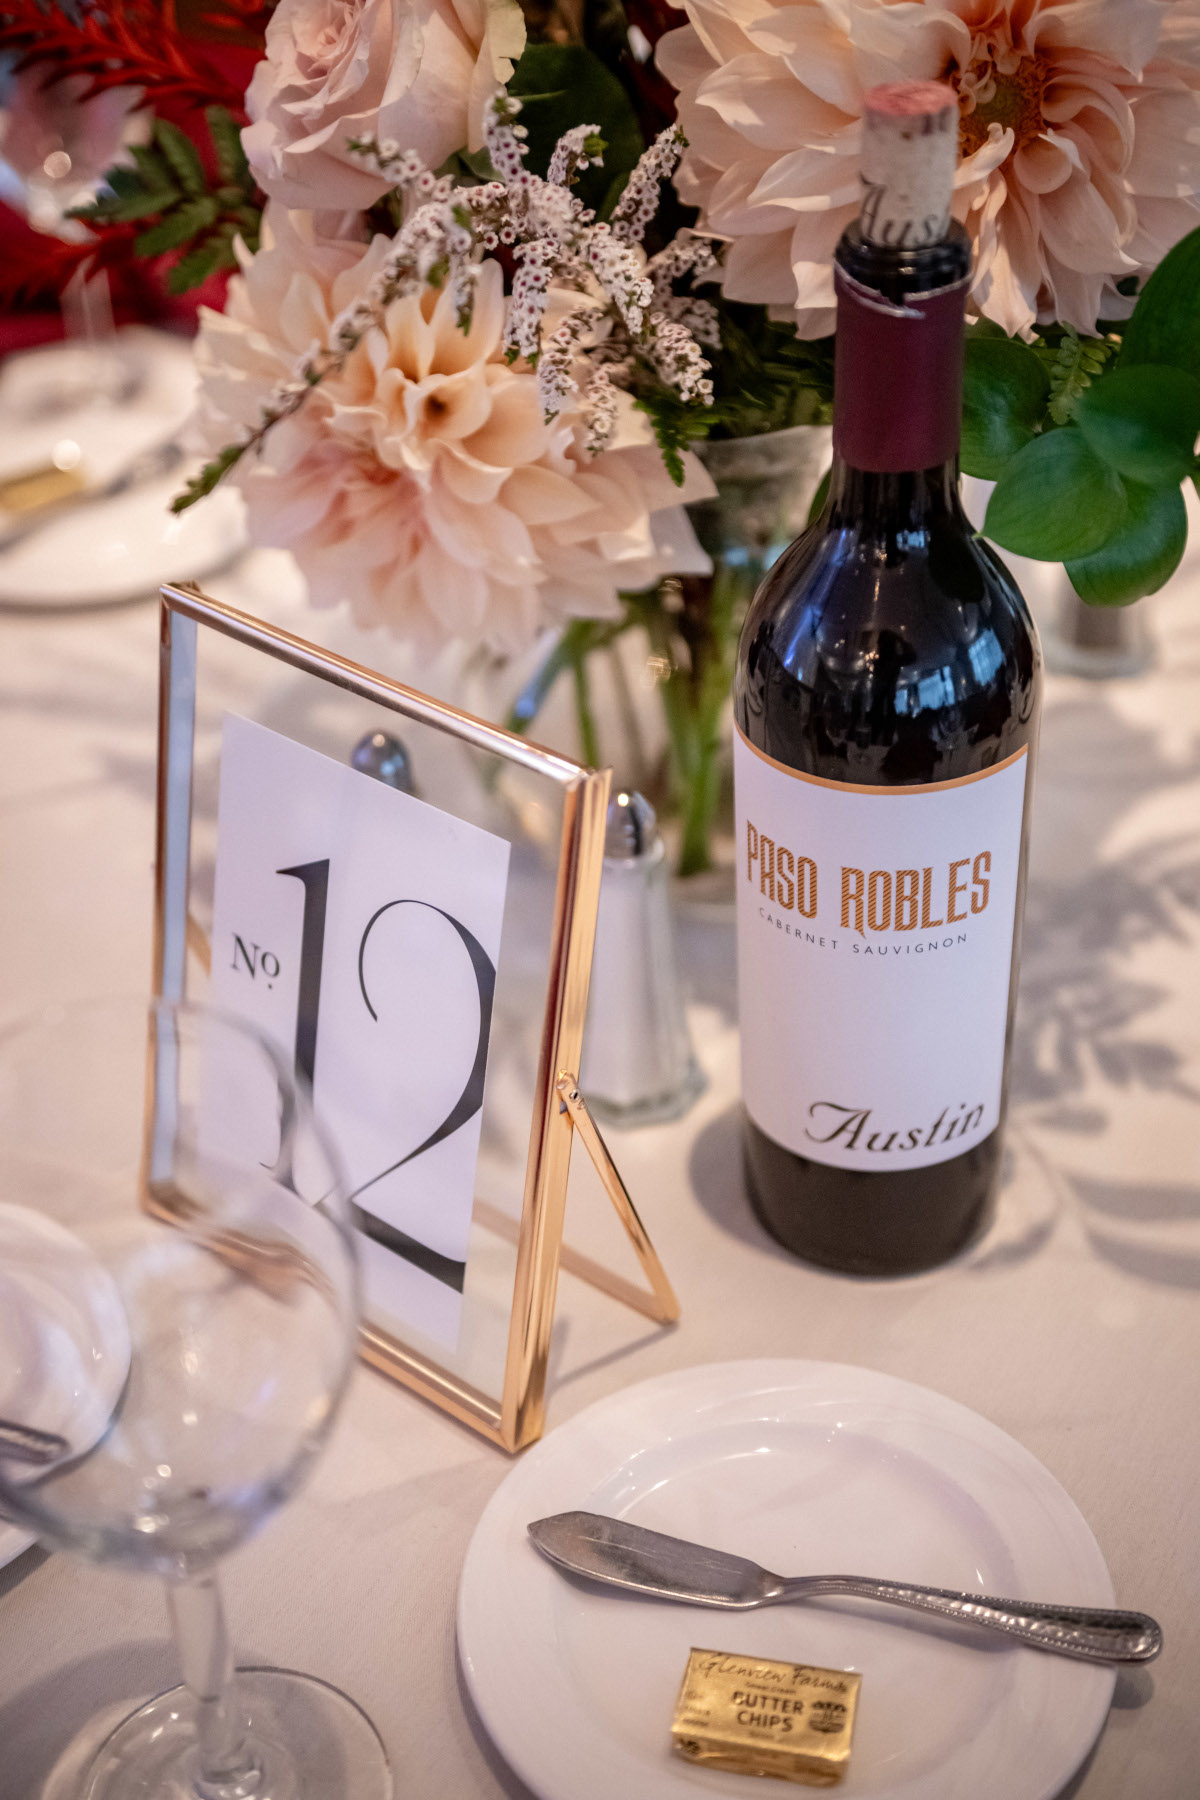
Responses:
[58,139]
[178,1316]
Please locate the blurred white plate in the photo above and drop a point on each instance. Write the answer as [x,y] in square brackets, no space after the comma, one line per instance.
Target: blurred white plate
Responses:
[124,548]
[64,1339]
[807,1468]
[64,1336]
[13,1543]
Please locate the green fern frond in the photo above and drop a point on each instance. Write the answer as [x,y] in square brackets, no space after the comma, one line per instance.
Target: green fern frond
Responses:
[1076,363]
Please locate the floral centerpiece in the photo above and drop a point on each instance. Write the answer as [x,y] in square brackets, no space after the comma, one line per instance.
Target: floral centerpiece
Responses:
[505,279]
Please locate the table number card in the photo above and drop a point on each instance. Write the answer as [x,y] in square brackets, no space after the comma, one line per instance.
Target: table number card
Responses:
[383,943]
[360,928]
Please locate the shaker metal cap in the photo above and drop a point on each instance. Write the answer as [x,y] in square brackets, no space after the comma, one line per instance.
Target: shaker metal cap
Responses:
[385,759]
[631,828]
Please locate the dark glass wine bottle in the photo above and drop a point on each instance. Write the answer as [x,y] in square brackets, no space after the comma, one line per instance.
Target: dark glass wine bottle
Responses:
[886,707]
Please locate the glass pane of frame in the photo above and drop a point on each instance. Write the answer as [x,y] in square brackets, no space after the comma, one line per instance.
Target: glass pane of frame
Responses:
[473,1337]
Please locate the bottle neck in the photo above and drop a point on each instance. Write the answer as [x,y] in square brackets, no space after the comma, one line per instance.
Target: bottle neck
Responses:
[891,501]
[897,403]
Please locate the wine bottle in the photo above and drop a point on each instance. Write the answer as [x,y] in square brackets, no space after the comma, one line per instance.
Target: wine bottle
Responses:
[886,706]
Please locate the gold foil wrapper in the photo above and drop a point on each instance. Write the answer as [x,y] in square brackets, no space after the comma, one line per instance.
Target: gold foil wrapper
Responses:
[34,489]
[766,1718]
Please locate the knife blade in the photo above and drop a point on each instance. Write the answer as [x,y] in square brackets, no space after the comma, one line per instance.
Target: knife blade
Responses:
[146,466]
[649,1562]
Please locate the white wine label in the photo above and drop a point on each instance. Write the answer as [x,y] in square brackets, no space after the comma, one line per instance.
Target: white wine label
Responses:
[875,939]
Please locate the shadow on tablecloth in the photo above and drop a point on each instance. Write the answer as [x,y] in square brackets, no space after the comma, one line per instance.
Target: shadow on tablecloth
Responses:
[52,1729]
[1112,939]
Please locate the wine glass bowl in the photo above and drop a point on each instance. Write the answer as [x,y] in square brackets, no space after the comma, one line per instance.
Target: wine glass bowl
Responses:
[179,1303]
[59,140]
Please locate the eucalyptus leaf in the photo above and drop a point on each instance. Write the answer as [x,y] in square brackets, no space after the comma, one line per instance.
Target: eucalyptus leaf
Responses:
[1056,499]
[1141,555]
[563,85]
[1165,327]
[1005,388]
[1144,421]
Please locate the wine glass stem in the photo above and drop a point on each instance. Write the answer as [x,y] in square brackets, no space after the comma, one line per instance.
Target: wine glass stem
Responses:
[87,308]
[206,1659]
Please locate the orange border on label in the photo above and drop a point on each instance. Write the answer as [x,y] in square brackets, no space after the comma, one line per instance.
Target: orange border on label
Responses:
[854,787]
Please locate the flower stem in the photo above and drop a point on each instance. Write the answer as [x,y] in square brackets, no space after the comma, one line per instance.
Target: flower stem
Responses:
[694,701]
[589,737]
[700,803]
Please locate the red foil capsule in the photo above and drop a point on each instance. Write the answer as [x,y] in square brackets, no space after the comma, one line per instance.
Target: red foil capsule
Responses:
[897,377]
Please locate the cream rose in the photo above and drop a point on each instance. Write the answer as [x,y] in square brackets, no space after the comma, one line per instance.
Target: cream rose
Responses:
[417,72]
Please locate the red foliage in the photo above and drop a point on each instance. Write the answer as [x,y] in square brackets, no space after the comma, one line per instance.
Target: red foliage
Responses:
[124,43]
[653,17]
[239,21]
[653,95]
[35,267]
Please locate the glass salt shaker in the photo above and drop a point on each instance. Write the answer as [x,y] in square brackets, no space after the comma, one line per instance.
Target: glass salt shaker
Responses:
[638,1065]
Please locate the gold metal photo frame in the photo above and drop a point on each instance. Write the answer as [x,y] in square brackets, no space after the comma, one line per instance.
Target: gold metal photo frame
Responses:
[516,1417]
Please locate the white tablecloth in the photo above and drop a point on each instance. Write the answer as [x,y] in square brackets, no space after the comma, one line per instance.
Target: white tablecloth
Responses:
[1075,1325]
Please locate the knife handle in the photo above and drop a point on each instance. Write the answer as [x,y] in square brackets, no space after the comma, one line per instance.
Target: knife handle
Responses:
[1094,1634]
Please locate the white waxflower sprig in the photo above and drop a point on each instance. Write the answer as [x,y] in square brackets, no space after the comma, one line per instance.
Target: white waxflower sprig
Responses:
[633,328]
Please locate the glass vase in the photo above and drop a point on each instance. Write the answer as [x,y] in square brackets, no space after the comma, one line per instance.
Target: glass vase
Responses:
[765,487]
[1100,642]
[649,692]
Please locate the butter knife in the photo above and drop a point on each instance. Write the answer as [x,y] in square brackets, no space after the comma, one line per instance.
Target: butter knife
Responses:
[25,1443]
[649,1562]
[146,466]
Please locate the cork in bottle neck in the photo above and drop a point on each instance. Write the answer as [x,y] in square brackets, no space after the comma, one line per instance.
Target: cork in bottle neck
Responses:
[909,154]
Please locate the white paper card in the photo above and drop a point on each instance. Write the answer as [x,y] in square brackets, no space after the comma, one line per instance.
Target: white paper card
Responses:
[360,928]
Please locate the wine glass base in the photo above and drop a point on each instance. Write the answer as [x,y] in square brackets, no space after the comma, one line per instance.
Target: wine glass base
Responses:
[306,1741]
